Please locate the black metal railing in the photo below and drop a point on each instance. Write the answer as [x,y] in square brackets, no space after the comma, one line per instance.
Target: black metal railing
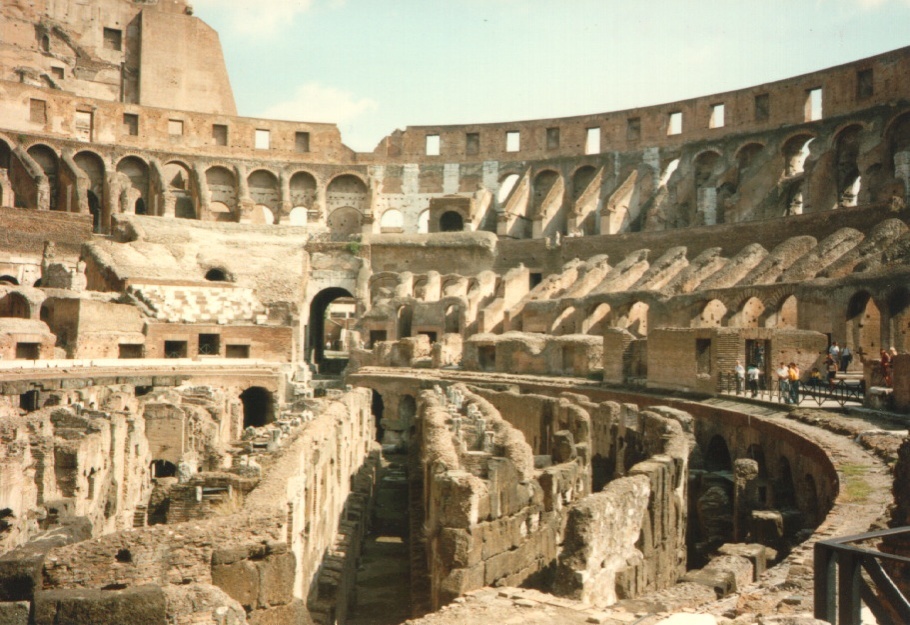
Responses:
[795,392]
[848,575]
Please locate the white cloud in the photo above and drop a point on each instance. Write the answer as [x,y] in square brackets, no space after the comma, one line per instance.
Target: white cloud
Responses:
[313,102]
[874,4]
[261,18]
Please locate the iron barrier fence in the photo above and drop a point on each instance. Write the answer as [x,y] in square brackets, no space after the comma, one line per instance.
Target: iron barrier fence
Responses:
[794,392]
[848,575]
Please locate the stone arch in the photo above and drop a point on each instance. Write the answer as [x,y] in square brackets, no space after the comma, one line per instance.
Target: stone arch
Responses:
[711,315]
[316,328]
[218,274]
[564,323]
[258,407]
[864,324]
[345,221]
[634,318]
[596,321]
[898,137]
[451,221]
[717,455]
[407,409]
[303,190]
[92,165]
[846,165]
[137,171]
[391,221]
[453,319]
[795,151]
[706,166]
[162,468]
[347,190]
[423,221]
[899,319]
[9,280]
[264,189]
[15,304]
[746,153]
[179,185]
[785,315]
[757,453]
[750,314]
[49,162]
[507,184]
[405,316]
[581,180]
[222,186]
[784,488]
[544,182]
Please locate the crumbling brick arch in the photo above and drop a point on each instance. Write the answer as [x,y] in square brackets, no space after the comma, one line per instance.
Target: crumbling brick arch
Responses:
[391,221]
[899,319]
[345,221]
[15,304]
[221,183]
[508,182]
[784,314]
[564,321]
[711,314]
[347,190]
[265,190]
[48,159]
[794,152]
[717,455]
[95,170]
[846,174]
[749,314]
[303,196]
[863,328]
[258,406]
[596,319]
[632,317]
[544,181]
[180,190]
[134,196]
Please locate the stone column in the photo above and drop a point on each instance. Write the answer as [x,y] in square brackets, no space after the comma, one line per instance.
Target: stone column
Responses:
[745,474]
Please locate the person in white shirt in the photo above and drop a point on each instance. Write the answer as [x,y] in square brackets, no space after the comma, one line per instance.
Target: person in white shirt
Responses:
[740,374]
[783,382]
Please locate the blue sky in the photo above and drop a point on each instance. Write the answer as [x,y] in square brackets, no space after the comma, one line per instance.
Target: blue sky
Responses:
[372,66]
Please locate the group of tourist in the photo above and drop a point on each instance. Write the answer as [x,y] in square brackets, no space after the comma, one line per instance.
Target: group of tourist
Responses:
[837,360]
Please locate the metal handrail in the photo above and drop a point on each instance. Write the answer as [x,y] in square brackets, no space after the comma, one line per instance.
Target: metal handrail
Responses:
[840,391]
[841,588]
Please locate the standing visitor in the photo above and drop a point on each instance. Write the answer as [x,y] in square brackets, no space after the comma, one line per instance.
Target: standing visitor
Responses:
[783,382]
[793,377]
[739,373]
[752,374]
[846,357]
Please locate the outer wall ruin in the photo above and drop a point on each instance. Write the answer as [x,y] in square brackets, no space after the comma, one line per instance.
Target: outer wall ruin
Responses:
[235,354]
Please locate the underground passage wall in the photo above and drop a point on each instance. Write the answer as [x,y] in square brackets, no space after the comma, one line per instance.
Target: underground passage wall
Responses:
[260,539]
[600,496]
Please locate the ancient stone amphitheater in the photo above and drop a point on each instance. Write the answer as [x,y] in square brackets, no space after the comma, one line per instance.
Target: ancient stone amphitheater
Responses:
[484,373]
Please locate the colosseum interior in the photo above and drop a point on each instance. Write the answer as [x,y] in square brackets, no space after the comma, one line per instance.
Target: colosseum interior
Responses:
[484,373]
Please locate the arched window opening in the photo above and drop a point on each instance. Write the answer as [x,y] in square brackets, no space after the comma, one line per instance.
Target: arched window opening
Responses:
[423,222]
[863,324]
[506,186]
[298,216]
[15,305]
[392,221]
[453,319]
[404,322]
[10,280]
[451,221]
[332,315]
[717,456]
[258,407]
[163,468]
[216,274]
